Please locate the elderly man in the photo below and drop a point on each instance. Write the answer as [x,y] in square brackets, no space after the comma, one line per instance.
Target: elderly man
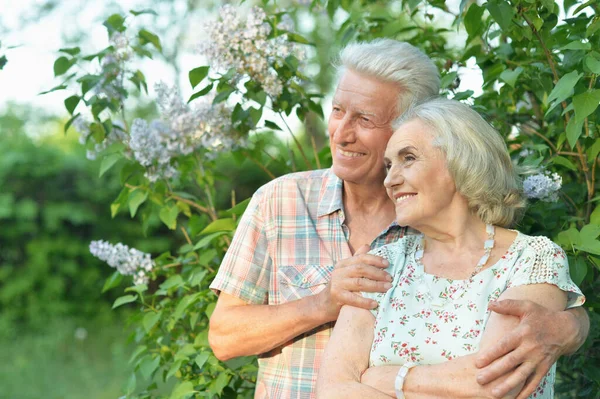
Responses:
[299,252]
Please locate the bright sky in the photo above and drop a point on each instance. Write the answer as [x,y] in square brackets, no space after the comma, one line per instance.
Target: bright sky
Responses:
[29,68]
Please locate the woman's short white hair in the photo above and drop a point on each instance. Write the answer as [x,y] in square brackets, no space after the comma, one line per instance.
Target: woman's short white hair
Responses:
[393,61]
[476,156]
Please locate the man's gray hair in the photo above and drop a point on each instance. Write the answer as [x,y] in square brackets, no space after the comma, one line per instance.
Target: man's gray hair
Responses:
[397,62]
[476,157]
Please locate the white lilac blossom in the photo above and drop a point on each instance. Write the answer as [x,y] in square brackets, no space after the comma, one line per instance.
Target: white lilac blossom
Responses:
[127,261]
[243,44]
[180,131]
[113,68]
[543,186]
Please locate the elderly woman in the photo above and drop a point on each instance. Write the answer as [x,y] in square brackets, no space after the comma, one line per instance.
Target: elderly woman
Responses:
[451,178]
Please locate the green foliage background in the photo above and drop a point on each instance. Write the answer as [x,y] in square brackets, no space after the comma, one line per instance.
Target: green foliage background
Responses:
[539,73]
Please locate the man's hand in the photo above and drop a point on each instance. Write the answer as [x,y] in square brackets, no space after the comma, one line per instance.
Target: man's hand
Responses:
[528,352]
[362,272]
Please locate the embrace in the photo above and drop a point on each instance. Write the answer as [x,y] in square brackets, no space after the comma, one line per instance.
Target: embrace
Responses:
[443,301]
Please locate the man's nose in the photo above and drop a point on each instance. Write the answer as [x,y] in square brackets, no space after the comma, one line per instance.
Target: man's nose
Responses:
[345,131]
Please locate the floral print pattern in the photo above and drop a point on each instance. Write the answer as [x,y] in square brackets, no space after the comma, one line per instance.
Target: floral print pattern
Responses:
[429,319]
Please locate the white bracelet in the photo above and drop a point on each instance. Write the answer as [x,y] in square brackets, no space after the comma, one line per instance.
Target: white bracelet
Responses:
[400,378]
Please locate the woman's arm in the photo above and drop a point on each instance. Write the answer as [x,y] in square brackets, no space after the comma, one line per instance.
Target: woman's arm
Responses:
[347,357]
[457,378]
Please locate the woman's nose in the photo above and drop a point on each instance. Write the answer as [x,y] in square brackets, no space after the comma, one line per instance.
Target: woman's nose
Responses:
[393,177]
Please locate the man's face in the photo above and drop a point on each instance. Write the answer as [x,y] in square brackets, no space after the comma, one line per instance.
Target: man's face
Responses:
[360,127]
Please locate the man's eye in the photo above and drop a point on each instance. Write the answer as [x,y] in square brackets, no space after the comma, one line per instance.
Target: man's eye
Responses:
[409,158]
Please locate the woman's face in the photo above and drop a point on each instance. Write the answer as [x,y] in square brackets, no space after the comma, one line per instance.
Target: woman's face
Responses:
[418,180]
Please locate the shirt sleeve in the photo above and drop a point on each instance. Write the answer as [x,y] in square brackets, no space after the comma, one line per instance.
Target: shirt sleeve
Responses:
[246,268]
[543,261]
[394,253]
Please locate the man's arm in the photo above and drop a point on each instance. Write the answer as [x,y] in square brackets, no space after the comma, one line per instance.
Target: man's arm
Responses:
[241,329]
[541,337]
[456,378]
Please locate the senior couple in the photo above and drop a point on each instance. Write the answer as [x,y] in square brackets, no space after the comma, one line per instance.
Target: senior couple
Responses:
[406,245]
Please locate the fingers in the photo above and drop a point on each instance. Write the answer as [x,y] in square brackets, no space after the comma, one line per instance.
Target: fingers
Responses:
[358,301]
[531,384]
[363,249]
[511,307]
[516,379]
[497,360]
[367,259]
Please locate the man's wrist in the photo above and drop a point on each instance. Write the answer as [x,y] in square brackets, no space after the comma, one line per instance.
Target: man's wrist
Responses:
[578,321]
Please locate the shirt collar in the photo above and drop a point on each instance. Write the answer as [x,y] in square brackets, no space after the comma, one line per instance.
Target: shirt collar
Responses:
[331,195]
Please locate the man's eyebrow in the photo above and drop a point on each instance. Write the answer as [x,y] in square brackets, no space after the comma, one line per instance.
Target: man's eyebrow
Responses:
[358,111]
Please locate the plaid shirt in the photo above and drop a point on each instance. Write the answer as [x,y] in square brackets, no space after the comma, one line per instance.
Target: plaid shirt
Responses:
[285,247]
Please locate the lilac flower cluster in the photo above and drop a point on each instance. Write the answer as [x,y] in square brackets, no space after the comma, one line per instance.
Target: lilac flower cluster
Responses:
[180,131]
[543,186]
[127,261]
[113,68]
[243,44]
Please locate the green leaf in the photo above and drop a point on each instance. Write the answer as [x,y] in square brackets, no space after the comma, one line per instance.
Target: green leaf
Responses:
[123,300]
[586,103]
[574,128]
[71,51]
[595,216]
[71,103]
[272,125]
[578,270]
[510,76]
[223,95]
[115,23]
[593,28]
[62,65]
[168,215]
[592,152]
[502,12]
[217,385]
[182,390]
[227,224]
[121,199]
[239,209]
[139,288]
[201,359]
[136,198]
[577,45]
[564,87]
[150,319]
[590,231]
[56,88]
[145,11]
[3,62]
[113,281]
[591,246]
[448,79]
[210,309]
[473,23]
[131,384]
[108,162]
[569,238]
[294,37]
[173,281]
[149,366]
[592,64]
[183,305]
[558,160]
[148,37]
[207,240]
[201,93]
[140,349]
[174,368]
[70,122]
[197,75]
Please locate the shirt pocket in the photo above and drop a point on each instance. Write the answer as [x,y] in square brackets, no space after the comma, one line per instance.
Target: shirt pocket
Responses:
[299,281]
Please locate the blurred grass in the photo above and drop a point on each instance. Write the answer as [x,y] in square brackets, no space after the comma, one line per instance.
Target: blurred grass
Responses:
[59,364]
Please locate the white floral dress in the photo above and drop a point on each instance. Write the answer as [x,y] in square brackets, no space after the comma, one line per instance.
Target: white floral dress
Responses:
[428,319]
